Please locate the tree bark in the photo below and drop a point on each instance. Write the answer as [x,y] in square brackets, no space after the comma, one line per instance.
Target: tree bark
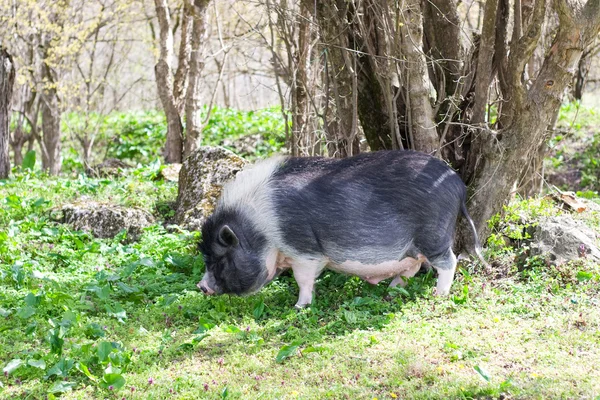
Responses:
[418,85]
[484,61]
[444,41]
[50,142]
[341,128]
[181,81]
[193,103]
[164,79]
[7,80]
[377,77]
[302,139]
[580,77]
[28,114]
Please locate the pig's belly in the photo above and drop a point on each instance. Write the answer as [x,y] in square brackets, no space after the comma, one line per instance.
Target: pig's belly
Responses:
[375,273]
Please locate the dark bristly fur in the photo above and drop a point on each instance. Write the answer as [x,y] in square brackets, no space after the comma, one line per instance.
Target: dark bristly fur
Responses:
[233,274]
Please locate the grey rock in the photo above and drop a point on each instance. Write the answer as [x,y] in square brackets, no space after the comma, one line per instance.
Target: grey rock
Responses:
[201,180]
[104,220]
[111,167]
[563,238]
[170,172]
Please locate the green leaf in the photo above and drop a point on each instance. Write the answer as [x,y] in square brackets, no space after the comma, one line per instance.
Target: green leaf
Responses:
[118,312]
[104,349]
[32,300]
[311,349]
[26,312]
[401,291]
[39,203]
[61,368]
[115,380]
[94,331]
[482,372]
[61,387]
[126,288]
[199,338]
[259,308]
[4,312]
[41,364]
[287,351]
[56,341]
[205,325]
[31,328]
[29,160]
[12,365]
[583,276]
[225,393]
[232,329]
[83,368]
[350,317]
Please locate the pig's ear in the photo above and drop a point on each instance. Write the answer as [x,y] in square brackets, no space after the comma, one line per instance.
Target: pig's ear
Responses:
[227,238]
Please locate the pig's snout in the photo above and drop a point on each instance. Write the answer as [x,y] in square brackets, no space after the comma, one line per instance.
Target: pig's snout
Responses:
[202,285]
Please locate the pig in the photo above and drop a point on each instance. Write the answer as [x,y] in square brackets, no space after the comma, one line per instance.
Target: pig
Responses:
[376,215]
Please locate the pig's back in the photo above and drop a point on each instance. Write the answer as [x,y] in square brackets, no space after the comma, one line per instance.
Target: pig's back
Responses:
[369,208]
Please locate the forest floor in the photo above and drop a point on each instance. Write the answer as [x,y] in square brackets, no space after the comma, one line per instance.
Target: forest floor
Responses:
[87,318]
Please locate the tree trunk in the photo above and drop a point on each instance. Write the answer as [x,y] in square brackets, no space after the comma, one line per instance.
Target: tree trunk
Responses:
[164,79]
[528,113]
[7,80]
[50,141]
[418,85]
[301,139]
[580,77]
[193,103]
[87,144]
[17,142]
[341,127]
[484,61]
[50,108]
[181,81]
[377,78]
[444,41]
[450,72]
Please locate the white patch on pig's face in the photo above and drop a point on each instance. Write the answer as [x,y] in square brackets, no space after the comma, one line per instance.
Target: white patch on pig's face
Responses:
[251,194]
[375,273]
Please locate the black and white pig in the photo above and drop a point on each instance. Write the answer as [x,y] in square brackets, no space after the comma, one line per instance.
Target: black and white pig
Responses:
[376,215]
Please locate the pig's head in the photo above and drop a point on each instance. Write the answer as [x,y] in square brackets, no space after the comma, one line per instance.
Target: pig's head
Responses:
[233,255]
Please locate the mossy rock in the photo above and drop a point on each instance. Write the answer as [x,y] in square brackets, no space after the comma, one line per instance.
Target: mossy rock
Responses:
[104,220]
[201,181]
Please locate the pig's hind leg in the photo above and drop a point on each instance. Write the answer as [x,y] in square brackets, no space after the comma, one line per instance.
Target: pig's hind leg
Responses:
[445,265]
[306,271]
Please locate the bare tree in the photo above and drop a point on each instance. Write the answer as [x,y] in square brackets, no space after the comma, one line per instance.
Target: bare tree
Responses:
[170,99]
[7,80]
[181,92]
[193,100]
[500,156]
[50,142]
[26,119]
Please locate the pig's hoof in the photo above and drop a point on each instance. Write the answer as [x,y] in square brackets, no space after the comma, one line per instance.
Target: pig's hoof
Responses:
[299,306]
[441,292]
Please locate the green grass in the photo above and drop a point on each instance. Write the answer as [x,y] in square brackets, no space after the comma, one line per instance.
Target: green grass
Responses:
[95,313]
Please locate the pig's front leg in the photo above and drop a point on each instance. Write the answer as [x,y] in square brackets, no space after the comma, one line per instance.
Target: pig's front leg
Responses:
[305,273]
